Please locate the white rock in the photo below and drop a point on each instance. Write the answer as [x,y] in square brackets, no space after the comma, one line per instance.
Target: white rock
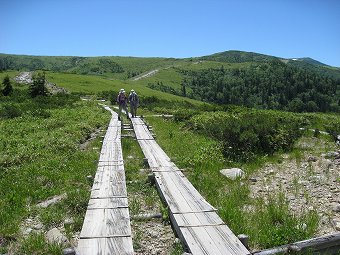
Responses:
[51,201]
[55,236]
[336,224]
[336,208]
[232,173]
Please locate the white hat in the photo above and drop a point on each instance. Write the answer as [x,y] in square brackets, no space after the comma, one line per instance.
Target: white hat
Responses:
[121,90]
[132,90]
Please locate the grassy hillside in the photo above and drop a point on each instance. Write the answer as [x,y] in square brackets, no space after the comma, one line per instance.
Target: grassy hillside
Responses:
[304,63]
[41,155]
[118,67]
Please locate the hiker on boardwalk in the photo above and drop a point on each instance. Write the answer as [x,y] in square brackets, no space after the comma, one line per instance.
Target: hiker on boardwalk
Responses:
[133,100]
[122,102]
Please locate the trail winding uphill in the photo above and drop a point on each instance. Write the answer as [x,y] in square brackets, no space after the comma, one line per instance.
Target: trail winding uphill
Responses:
[148,74]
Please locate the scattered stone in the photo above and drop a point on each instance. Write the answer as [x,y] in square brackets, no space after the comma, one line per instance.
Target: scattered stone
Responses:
[312,159]
[177,240]
[27,231]
[336,208]
[68,222]
[38,226]
[51,201]
[232,173]
[336,224]
[69,251]
[24,77]
[55,236]
[332,154]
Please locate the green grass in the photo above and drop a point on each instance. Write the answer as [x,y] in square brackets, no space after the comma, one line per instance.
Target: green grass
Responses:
[40,158]
[87,84]
[270,223]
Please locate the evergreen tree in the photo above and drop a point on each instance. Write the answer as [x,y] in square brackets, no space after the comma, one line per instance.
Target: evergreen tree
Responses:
[8,89]
[184,91]
[38,88]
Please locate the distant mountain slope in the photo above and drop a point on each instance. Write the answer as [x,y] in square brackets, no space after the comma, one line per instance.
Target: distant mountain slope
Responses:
[308,61]
[119,67]
[234,56]
[243,56]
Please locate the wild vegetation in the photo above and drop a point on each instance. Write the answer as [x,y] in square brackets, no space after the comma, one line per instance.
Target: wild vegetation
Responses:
[40,158]
[41,134]
[273,85]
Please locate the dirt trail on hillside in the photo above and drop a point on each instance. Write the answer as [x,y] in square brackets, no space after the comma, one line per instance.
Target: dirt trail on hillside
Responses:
[148,74]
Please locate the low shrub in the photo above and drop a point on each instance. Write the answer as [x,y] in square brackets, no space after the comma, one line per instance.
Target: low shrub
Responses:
[247,134]
[333,127]
[10,111]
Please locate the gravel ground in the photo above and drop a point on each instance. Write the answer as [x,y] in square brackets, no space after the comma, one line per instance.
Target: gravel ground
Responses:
[311,181]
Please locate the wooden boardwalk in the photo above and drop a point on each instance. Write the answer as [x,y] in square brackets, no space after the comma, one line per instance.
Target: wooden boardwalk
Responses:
[194,219]
[106,228]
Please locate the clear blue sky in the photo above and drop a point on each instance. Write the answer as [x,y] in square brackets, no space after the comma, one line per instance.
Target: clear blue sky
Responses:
[173,28]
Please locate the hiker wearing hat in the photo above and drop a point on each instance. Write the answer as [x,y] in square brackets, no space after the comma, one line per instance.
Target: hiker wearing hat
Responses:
[122,102]
[133,99]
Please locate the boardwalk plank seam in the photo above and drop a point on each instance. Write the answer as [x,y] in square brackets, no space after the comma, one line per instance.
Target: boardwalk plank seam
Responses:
[194,219]
[106,228]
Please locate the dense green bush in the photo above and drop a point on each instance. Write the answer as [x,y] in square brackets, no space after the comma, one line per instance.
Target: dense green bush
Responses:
[333,127]
[10,111]
[249,133]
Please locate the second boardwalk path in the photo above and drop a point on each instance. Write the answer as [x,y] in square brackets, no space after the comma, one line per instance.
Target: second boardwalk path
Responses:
[106,228]
[194,219]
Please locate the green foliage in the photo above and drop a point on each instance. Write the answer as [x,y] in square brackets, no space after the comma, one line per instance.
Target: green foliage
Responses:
[278,226]
[268,222]
[37,245]
[333,127]
[37,88]
[247,134]
[272,85]
[40,157]
[8,89]
[10,111]
[99,66]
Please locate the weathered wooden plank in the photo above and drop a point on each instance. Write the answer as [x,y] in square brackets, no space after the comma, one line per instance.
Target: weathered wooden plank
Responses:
[199,242]
[142,133]
[165,169]
[107,203]
[109,173]
[173,198]
[106,246]
[155,155]
[111,152]
[226,240]
[181,193]
[212,240]
[197,219]
[112,134]
[194,219]
[137,121]
[106,223]
[109,189]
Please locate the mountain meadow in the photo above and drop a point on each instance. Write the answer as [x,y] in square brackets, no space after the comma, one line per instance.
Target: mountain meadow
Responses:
[278,120]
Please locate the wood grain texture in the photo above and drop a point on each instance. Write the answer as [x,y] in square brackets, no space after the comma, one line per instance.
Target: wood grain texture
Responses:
[106,223]
[105,246]
[107,203]
[194,219]
[106,228]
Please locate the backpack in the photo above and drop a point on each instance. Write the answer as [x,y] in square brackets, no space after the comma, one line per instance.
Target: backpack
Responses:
[121,98]
[133,98]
